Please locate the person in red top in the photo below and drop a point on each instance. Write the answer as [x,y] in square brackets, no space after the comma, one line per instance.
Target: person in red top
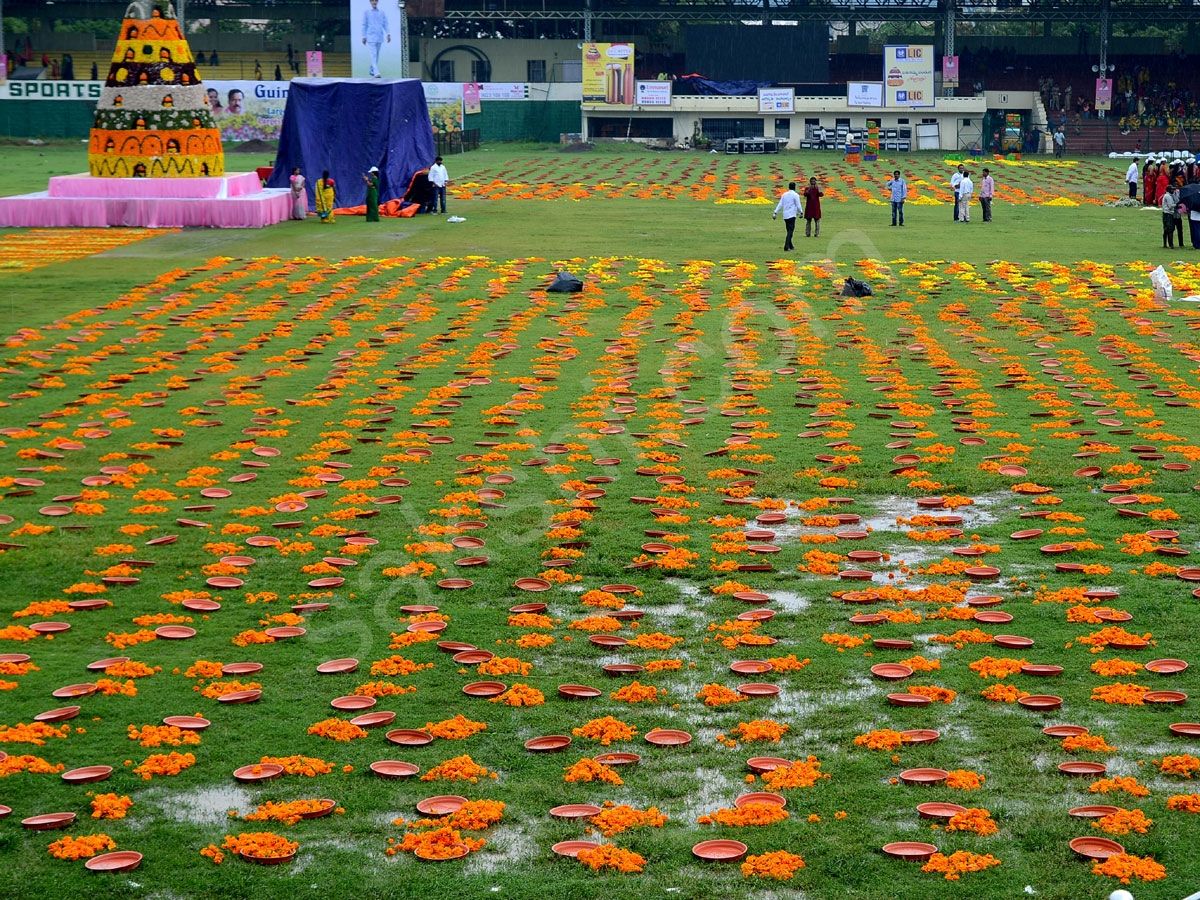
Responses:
[1160,184]
[1148,176]
[812,207]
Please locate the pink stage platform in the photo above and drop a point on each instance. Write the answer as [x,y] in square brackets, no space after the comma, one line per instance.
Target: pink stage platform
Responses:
[230,201]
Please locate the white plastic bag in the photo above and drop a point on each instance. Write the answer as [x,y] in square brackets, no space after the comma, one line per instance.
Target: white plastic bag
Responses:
[456,219]
[1162,284]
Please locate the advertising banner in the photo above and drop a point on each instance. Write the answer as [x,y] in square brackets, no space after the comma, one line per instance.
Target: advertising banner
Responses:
[1103,93]
[908,75]
[504,90]
[864,93]
[247,110]
[654,93]
[375,39]
[445,102]
[949,71]
[776,100]
[314,64]
[51,90]
[471,102]
[608,74]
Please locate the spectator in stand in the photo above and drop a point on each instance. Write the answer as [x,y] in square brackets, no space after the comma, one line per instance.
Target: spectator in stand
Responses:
[200,59]
[257,70]
[54,70]
[213,60]
[987,190]
[278,74]
[1067,97]
[95,73]
[68,67]
[1131,179]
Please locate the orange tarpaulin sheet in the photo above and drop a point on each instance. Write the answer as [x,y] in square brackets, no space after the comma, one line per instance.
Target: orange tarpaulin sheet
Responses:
[391,209]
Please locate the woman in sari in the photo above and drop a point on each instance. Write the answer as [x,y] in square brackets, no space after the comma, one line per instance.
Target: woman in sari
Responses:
[372,180]
[299,200]
[325,188]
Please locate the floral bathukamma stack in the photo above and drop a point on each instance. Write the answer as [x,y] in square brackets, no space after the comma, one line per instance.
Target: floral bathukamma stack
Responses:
[152,120]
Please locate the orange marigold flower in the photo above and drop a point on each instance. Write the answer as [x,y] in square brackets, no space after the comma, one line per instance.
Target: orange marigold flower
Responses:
[110,806]
[608,856]
[778,864]
[605,730]
[958,863]
[752,814]
[460,768]
[636,692]
[1184,765]
[81,847]
[337,730]
[456,729]
[975,819]
[587,769]
[1126,867]
[1123,821]
[616,819]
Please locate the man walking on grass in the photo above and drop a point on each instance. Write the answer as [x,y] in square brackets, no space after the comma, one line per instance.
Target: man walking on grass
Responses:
[955,179]
[1132,177]
[789,205]
[899,188]
[987,190]
[966,187]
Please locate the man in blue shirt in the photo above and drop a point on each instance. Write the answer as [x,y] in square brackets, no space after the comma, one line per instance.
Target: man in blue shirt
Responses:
[899,188]
[374,33]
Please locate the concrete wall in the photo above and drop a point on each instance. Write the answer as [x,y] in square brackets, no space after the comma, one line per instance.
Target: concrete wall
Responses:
[508,57]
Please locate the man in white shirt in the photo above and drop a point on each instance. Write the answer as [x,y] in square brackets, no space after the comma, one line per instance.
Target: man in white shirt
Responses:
[374,33]
[438,177]
[966,188]
[1060,142]
[821,136]
[1132,177]
[955,179]
[789,205]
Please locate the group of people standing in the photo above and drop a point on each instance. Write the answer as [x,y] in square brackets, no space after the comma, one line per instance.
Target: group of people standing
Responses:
[963,188]
[325,193]
[1161,181]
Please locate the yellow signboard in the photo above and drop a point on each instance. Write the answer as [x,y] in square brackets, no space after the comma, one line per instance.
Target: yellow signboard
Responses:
[608,74]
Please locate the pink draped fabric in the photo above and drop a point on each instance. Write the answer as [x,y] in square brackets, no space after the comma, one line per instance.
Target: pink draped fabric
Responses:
[43,211]
[234,185]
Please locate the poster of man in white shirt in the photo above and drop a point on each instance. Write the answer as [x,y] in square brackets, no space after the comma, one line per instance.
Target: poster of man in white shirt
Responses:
[375,39]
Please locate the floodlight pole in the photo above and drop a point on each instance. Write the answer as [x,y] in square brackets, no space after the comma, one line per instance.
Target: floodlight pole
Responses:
[404,54]
[948,41]
[587,22]
[179,15]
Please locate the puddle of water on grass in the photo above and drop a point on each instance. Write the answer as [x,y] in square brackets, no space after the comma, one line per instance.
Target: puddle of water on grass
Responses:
[506,845]
[209,805]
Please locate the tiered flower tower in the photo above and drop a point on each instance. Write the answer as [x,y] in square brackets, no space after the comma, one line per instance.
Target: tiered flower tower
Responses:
[152,120]
[154,157]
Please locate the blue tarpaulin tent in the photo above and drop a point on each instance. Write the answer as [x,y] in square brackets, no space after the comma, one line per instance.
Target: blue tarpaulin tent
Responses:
[349,125]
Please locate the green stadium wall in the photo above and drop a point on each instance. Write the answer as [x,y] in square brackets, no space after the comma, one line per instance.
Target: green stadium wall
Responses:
[498,120]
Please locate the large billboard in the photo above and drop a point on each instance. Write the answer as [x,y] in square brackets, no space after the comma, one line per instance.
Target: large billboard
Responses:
[445,102]
[375,39]
[908,75]
[608,74]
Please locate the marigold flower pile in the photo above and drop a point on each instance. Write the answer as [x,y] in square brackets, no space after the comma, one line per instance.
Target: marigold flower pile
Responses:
[778,865]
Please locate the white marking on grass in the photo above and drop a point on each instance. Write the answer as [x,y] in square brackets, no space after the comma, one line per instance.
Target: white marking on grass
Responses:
[206,805]
[506,845]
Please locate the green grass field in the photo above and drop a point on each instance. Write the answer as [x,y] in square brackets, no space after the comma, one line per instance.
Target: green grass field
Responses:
[429,352]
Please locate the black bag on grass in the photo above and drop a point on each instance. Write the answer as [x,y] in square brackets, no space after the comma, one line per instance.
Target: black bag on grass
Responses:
[852,287]
[565,283]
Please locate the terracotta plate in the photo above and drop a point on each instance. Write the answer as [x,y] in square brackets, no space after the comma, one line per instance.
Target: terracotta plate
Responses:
[1064,731]
[60,714]
[532,584]
[937,810]
[1043,671]
[1093,812]
[1041,702]
[1186,729]
[924,776]
[245,668]
[484,689]
[1096,847]
[908,699]
[571,848]
[409,737]
[1166,666]
[550,743]
[87,774]
[913,851]
[47,821]
[442,805]
[761,797]
[75,690]
[117,861]
[1083,769]
[762,764]
[618,759]
[578,692]
[394,768]
[337,666]
[758,689]
[720,850]
[258,772]
[249,696]
[921,736]
[187,723]
[1172,698]
[891,671]
[575,811]
[667,737]
[374,719]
